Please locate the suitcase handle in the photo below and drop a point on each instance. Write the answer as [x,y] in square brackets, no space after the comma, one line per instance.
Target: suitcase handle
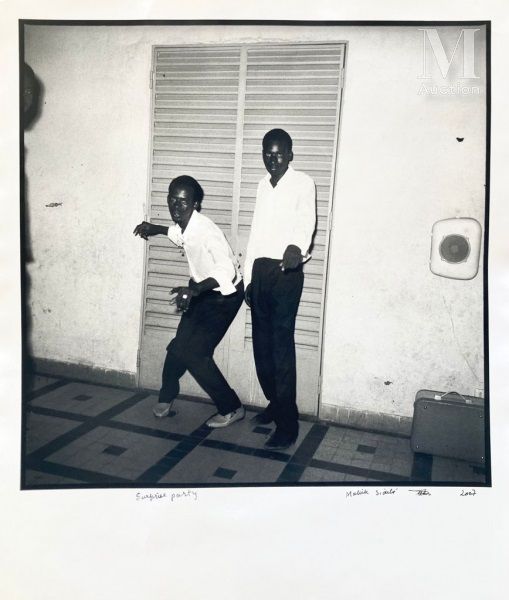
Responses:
[457,394]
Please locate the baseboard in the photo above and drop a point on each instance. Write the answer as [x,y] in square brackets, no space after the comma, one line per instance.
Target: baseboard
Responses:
[349,417]
[82,372]
[367,420]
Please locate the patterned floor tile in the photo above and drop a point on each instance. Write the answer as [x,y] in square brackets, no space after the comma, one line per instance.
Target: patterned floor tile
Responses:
[325,452]
[243,433]
[138,445]
[446,469]
[353,478]
[42,429]
[311,475]
[66,399]
[189,415]
[333,436]
[40,381]
[89,452]
[201,465]
[34,478]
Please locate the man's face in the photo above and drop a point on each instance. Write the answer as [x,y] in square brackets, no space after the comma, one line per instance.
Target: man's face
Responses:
[276,157]
[181,205]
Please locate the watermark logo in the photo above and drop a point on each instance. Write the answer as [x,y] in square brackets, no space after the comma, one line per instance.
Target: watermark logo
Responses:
[433,48]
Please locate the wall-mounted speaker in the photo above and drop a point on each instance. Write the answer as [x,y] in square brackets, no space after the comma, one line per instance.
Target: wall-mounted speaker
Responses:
[455,248]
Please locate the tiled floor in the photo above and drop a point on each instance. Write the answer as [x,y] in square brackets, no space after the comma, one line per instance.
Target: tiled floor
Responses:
[80,434]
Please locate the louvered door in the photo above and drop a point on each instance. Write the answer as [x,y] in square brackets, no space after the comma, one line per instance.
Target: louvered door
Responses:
[195,106]
[212,106]
[297,88]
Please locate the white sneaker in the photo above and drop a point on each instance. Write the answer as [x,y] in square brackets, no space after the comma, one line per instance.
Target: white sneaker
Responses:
[224,420]
[161,409]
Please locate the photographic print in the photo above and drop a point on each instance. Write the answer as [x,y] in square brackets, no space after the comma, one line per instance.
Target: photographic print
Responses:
[254,253]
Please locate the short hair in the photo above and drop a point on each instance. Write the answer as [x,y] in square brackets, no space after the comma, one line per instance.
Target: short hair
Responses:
[280,135]
[188,182]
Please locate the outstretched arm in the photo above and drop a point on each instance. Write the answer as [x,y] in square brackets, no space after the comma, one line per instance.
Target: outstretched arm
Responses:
[145,229]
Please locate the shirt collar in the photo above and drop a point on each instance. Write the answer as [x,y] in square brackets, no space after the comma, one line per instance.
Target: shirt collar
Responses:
[287,175]
[193,222]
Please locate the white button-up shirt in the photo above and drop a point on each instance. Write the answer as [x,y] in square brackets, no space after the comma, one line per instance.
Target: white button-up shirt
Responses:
[208,252]
[283,215]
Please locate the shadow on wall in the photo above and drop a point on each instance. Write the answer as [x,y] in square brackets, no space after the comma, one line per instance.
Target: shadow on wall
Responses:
[30,111]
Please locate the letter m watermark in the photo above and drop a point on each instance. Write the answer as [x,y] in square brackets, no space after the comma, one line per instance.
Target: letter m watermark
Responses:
[444,64]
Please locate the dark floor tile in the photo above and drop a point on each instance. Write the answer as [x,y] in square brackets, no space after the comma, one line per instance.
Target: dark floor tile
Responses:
[224,473]
[114,450]
[263,430]
[271,454]
[291,473]
[43,429]
[366,449]
[41,390]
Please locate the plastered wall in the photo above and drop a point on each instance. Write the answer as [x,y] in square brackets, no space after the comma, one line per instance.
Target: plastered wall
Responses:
[392,327]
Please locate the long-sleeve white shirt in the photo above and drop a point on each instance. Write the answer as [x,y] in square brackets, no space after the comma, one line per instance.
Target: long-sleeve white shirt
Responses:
[208,252]
[283,215]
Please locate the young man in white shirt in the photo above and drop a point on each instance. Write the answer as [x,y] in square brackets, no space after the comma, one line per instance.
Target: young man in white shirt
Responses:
[209,303]
[281,233]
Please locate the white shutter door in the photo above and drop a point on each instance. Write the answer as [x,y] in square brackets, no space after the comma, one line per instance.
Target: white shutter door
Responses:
[296,88]
[195,102]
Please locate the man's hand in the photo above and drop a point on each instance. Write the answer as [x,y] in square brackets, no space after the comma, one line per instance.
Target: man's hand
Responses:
[291,258]
[182,297]
[247,295]
[144,229]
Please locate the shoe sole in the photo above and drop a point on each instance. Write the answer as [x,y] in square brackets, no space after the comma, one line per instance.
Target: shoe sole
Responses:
[222,426]
[164,414]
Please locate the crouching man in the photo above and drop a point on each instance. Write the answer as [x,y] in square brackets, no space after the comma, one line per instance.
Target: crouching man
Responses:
[209,303]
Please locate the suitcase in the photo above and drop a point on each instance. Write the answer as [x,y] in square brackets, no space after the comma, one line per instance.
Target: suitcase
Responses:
[450,425]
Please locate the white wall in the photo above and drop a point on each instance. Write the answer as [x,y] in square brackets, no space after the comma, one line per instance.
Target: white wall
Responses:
[400,169]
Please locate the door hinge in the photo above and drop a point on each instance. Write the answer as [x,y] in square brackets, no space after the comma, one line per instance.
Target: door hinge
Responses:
[151,82]
[342,79]
[138,359]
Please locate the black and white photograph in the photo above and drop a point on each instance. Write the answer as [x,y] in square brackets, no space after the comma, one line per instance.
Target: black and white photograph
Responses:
[254,300]
[254,254]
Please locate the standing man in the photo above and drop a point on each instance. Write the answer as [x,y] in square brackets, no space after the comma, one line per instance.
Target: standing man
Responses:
[281,233]
[209,303]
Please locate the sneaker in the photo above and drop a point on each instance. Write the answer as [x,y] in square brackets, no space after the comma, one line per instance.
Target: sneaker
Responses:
[224,420]
[161,409]
[280,440]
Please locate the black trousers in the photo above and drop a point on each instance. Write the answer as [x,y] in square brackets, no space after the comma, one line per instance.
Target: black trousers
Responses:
[275,297]
[200,330]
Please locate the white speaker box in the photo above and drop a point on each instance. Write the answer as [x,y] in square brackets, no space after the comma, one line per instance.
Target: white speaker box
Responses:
[455,248]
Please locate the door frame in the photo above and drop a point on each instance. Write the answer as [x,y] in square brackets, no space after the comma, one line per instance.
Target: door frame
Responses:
[238,159]
[329,235]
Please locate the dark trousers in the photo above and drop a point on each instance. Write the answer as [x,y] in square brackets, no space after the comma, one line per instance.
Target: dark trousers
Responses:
[275,297]
[200,330]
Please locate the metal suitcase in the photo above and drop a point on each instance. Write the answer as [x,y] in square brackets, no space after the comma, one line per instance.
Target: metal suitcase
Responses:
[450,425]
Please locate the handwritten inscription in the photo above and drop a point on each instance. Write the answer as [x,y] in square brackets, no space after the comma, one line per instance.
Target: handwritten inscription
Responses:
[423,492]
[387,492]
[468,493]
[362,492]
[166,496]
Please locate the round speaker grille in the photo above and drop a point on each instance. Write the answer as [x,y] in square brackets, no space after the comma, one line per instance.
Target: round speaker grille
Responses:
[454,248]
